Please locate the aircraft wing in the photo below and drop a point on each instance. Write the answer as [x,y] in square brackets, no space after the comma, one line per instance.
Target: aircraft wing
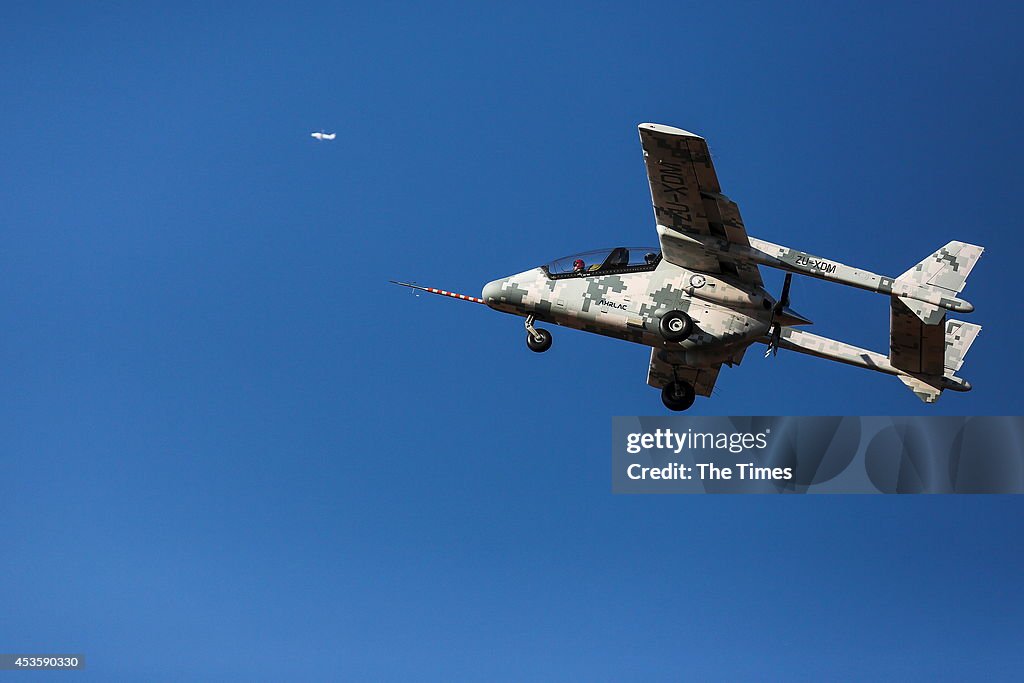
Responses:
[660,373]
[688,203]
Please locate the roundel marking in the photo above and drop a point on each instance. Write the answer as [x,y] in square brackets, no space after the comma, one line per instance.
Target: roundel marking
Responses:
[697,281]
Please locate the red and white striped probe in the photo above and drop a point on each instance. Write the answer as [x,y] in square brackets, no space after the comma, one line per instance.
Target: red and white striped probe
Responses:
[442,292]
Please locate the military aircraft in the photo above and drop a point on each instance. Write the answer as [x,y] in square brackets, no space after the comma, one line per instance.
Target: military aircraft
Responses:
[697,299]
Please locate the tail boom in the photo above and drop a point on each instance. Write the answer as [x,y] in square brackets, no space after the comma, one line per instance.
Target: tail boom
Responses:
[927,387]
[918,285]
[927,283]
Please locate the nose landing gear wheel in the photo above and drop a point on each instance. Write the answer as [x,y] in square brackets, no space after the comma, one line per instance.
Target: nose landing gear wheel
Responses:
[675,326]
[539,346]
[677,396]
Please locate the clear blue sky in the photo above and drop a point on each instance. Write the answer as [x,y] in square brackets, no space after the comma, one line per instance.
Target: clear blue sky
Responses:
[230,450]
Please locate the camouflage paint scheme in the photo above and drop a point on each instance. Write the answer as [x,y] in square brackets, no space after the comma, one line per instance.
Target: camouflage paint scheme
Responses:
[708,268]
[727,318]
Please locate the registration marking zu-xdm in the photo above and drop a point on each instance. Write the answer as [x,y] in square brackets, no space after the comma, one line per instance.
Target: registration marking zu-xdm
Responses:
[818,264]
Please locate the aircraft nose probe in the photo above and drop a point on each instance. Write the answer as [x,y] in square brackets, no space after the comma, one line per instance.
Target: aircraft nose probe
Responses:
[538,340]
[441,292]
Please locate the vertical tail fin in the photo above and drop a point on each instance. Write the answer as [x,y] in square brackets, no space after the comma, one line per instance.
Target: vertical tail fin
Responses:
[947,268]
[922,343]
[945,271]
[958,337]
[925,390]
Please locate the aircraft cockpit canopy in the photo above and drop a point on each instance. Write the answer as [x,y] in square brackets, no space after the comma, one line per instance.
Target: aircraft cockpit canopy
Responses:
[605,262]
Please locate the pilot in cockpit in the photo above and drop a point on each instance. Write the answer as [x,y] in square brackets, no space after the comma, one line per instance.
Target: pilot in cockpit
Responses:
[578,266]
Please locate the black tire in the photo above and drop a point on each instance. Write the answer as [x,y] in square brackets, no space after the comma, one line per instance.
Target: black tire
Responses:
[539,346]
[675,326]
[678,396]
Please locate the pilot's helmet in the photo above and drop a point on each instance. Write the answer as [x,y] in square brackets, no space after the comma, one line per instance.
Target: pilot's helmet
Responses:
[650,257]
[577,264]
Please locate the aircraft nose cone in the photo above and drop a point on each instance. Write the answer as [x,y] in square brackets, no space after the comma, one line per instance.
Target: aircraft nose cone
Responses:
[492,292]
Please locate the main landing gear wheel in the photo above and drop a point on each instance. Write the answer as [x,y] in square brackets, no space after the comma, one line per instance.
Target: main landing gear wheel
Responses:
[539,346]
[675,326]
[677,396]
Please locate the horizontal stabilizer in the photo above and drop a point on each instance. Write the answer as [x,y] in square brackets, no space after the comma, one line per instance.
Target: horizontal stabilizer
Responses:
[916,345]
[925,313]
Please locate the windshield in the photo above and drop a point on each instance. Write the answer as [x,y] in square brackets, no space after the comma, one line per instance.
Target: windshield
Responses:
[617,259]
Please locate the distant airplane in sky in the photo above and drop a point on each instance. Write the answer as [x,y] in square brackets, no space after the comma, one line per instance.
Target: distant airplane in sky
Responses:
[323,136]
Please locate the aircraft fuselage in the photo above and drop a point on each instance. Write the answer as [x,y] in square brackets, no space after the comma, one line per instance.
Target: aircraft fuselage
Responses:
[728,315]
